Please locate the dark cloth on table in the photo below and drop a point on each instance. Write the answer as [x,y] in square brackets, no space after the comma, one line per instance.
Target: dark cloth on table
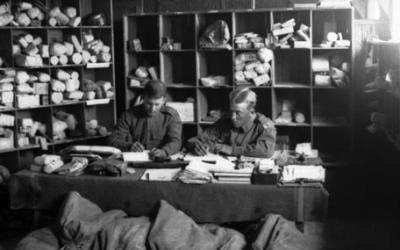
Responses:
[170,229]
[208,203]
[161,130]
[255,138]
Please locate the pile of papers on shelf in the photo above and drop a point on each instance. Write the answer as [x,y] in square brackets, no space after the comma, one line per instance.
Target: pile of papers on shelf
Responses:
[254,68]
[334,4]
[285,35]
[250,40]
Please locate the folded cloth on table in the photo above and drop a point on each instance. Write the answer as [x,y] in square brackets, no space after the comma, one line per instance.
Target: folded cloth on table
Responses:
[109,167]
[75,167]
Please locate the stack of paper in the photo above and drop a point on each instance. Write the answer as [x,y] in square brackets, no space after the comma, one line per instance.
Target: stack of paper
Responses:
[226,173]
[161,174]
[195,173]
[334,4]
[234,177]
[293,173]
[136,156]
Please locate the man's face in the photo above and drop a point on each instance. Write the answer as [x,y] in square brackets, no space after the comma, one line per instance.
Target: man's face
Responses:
[239,114]
[152,106]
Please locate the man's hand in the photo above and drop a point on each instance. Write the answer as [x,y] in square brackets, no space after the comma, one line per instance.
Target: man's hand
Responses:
[223,149]
[137,147]
[197,147]
[157,153]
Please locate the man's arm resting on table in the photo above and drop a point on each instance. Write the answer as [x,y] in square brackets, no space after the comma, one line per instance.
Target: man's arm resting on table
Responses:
[173,137]
[207,140]
[121,137]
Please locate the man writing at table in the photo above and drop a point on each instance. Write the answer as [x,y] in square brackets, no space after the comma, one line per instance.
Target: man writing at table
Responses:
[243,132]
[149,126]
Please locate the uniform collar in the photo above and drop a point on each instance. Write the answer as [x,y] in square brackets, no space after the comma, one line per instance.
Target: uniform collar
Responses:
[247,125]
[162,110]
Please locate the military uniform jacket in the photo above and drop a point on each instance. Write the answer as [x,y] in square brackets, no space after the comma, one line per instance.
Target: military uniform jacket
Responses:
[256,138]
[161,130]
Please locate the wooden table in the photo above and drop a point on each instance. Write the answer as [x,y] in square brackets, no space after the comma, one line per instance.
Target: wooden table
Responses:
[205,203]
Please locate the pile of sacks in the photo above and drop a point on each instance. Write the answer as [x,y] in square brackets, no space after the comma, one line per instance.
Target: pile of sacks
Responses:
[142,75]
[7,78]
[30,132]
[254,68]
[26,14]
[98,50]
[32,89]
[66,85]
[93,128]
[97,90]
[54,164]
[68,51]
[79,159]
[29,50]
[67,17]
[6,131]
[63,124]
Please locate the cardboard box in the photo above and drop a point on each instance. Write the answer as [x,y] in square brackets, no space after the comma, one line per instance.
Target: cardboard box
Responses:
[184,109]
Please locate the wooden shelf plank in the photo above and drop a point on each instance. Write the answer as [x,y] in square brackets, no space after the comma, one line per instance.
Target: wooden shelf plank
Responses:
[180,86]
[8,150]
[292,124]
[291,85]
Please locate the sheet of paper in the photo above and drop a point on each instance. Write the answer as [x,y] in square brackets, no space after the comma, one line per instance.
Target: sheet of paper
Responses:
[136,156]
[161,174]
[209,157]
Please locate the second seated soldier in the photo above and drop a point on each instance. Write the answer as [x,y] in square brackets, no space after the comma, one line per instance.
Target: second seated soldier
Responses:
[243,132]
[150,125]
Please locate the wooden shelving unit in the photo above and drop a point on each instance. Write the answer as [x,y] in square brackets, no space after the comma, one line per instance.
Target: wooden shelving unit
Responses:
[291,73]
[21,157]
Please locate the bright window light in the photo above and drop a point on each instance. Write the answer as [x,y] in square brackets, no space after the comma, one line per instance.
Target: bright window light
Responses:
[395,22]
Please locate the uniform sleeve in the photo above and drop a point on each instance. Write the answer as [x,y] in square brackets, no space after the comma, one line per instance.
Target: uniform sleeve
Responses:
[173,137]
[263,146]
[121,137]
[211,135]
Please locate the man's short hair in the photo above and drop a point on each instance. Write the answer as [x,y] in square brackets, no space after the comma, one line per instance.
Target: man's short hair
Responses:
[244,95]
[154,89]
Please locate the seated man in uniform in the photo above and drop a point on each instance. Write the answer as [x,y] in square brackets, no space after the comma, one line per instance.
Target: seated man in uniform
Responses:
[151,125]
[243,132]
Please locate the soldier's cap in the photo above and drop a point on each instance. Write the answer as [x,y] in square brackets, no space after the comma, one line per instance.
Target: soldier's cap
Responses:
[243,94]
[154,89]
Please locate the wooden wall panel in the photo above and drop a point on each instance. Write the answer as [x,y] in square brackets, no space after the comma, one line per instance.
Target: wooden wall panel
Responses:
[192,5]
[273,3]
[236,4]
[121,8]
